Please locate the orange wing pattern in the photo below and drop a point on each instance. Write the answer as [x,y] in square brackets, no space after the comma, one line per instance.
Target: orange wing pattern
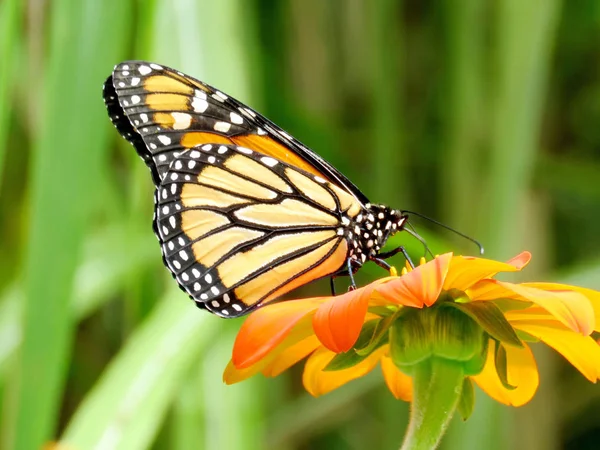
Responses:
[160,110]
[239,229]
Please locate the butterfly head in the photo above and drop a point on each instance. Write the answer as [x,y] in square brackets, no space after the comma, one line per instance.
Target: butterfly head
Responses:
[372,229]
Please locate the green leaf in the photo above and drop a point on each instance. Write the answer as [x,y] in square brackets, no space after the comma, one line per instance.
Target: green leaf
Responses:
[352,357]
[467,399]
[491,319]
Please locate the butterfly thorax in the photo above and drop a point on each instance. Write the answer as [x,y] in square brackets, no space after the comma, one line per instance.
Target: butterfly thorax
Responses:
[370,229]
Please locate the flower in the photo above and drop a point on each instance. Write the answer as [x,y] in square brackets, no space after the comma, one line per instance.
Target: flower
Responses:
[450,308]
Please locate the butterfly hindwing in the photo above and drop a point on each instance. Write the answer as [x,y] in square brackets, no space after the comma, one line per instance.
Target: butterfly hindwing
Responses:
[239,229]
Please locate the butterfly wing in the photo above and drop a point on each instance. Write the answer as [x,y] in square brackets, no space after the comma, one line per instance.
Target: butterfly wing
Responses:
[162,111]
[239,229]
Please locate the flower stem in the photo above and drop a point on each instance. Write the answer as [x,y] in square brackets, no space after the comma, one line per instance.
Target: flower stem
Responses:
[437,386]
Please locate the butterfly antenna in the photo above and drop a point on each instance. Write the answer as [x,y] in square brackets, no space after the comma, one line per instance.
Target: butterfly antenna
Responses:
[411,230]
[468,238]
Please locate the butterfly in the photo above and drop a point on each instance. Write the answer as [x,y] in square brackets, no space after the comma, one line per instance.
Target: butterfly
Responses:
[244,213]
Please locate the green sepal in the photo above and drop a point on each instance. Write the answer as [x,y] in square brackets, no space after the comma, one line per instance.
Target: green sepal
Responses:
[490,318]
[409,338]
[467,399]
[526,337]
[501,363]
[380,333]
[475,365]
[383,311]
[510,304]
[456,336]
[351,358]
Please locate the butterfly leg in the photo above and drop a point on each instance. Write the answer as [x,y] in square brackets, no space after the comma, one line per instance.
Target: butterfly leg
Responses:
[386,255]
[350,274]
[332,286]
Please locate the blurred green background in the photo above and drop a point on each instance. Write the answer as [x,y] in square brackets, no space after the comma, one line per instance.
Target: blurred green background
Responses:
[483,114]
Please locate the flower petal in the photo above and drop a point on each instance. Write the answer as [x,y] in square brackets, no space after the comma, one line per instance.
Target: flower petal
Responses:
[465,271]
[317,382]
[593,296]
[337,322]
[421,286]
[399,384]
[232,375]
[581,351]
[265,328]
[291,355]
[570,307]
[522,372]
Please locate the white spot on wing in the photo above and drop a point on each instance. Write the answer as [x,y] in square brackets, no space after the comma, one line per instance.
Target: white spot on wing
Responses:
[236,118]
[144,70]
[135,81]
[182,120]
[271,162]
[222,127]
[165,140]
[199,104]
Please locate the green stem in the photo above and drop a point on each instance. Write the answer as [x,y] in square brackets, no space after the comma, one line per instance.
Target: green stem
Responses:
[437,386]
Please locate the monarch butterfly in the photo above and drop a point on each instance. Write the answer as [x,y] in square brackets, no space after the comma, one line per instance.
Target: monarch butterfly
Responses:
[243,211]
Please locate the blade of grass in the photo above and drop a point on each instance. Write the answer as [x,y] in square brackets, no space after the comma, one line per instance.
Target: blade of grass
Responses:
[129,402]
[462,107]
[110,260]
[10,20]
[66,150]
[524,39]
[387,133]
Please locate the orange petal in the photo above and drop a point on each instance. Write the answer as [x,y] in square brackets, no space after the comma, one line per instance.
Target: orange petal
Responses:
[337,322]
[421,286]
[265,328]
[397,382]
[465,271]
[581,351]
[593,296]
[317,382]
[291,355]
[570,307]
[522,372]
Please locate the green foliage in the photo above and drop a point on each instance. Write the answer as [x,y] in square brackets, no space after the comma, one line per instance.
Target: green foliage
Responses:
[481,114]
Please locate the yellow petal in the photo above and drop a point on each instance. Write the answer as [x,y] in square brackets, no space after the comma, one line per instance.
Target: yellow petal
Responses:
[232,375]
[465,271]
[570,307]
[397,382]
[581,351]
[317,382]
[522,373]
[291,355]
[593,296]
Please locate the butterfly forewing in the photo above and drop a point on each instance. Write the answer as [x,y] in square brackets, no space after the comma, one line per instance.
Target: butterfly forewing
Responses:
[239,229]
[160,110]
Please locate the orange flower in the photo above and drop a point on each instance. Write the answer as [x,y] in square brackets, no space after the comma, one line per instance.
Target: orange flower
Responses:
[451,308]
